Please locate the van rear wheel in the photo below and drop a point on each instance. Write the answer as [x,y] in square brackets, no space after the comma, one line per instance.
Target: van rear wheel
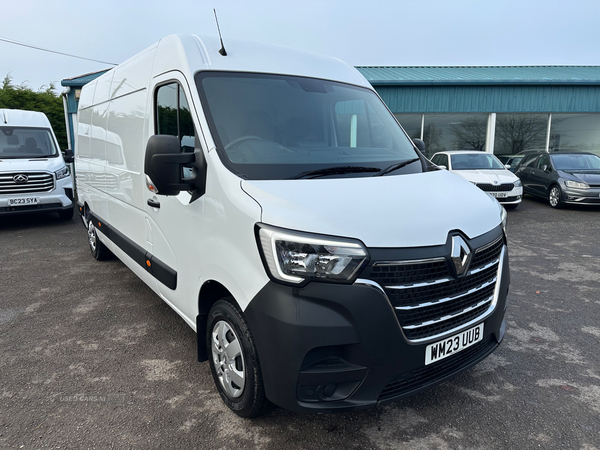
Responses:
[98,249]
[234,360]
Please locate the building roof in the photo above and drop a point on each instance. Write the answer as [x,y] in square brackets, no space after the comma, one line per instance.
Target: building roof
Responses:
[82,79]
[490,75]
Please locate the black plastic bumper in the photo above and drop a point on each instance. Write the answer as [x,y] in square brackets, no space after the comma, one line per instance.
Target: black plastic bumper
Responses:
[331,347]
[33,209]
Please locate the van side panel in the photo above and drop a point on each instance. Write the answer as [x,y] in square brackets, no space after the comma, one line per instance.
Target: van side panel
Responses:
[124,177]
[98,159]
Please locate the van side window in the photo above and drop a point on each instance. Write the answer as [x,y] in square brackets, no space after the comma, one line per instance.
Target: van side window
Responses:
[173,115]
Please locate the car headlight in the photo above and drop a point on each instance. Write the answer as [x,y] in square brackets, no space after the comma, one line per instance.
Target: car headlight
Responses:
[62,173]
[295,257]
[518,183]
[577,184]
[504,216]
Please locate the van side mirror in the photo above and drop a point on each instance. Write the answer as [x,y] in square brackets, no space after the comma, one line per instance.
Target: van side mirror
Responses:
[419,144]
[68,156]
[164,165]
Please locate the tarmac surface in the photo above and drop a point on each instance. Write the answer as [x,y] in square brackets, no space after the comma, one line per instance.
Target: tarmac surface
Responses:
[92,358]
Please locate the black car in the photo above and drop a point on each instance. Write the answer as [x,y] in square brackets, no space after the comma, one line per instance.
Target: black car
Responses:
[561,177]
[510,160]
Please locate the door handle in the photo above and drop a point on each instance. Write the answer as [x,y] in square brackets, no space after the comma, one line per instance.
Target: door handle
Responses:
[153,203]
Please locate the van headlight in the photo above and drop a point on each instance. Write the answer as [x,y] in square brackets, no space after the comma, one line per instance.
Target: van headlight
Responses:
[504,216]
[62,173]
[295,257]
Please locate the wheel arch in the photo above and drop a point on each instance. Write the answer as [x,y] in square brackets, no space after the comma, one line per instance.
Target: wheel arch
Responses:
[210,292]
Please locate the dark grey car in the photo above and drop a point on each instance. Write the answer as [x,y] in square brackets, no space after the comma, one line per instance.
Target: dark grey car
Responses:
[561,177]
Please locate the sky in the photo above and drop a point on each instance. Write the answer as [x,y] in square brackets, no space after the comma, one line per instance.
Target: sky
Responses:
[362,33]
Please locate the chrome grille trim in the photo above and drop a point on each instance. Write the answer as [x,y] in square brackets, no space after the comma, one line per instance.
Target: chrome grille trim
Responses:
[37,182]
[447,299]
[451,316]
[417,285]
[491,244]
[476,320]
[479,269]
[408,263]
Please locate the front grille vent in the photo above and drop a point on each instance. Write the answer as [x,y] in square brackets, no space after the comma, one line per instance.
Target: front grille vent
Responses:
[36,182]
[430,301]
[505,187]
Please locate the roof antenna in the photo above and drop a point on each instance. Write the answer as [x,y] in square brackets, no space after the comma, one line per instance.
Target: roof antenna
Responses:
[223,52]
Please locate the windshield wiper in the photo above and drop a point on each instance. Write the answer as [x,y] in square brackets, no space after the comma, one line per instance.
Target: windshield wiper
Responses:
[333,171]
[396,166]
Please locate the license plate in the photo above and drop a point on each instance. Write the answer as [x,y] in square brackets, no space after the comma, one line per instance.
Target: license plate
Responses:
[23,201]
[499,194]
[454,344]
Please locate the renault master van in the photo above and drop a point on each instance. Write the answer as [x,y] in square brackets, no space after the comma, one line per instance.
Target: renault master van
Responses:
[272,200]
[33,174]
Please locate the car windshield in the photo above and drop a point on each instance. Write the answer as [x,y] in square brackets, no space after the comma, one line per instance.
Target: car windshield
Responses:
[25,142]
[277,127]
[475,161]
[576,162]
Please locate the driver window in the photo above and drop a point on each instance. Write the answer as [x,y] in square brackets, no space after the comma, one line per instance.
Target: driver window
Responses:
[543,161]
[173,115]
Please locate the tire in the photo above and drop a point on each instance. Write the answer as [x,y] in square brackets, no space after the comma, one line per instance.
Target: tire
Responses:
[555,196]
[66,214]
[98,249]
[235,366]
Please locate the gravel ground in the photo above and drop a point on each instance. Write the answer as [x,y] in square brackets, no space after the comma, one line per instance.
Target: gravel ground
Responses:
[92,358]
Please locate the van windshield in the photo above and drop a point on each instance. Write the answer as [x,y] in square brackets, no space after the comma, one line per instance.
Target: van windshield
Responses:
[278,127]
[26,142]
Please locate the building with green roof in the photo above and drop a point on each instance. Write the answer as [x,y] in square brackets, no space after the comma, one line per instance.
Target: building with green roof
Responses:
[502,110]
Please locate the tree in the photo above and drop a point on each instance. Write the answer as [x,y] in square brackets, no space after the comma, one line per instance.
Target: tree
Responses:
[44,100]
[517,132]
[470,134]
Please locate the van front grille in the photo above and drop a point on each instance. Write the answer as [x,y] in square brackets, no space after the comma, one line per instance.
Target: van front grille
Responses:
[26,182]
[430,301]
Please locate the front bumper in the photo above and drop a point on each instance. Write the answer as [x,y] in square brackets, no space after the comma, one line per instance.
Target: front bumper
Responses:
[581,196]
[331,347]
[514,197]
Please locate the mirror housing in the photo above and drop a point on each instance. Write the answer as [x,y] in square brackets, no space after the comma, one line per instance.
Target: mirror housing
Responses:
[544,168]
[419,144]
[443,167]
[507,166]
[164,162]
[68,156]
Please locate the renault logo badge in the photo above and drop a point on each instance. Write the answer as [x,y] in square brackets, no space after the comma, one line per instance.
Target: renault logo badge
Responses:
[461,254]
[21,178]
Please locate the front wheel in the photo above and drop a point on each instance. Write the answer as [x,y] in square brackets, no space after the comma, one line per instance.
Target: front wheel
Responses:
[234,360]
[555,197]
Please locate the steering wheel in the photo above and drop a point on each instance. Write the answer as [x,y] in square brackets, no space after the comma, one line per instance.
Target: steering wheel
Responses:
[241,139]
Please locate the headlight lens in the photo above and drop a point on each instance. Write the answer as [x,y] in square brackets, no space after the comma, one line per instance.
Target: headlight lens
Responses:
[518,183]
[294,257]
[577,184]
[62,173]
[504,216]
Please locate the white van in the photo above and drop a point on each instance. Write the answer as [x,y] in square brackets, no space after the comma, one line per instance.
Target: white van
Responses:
[273,201]
[33,175]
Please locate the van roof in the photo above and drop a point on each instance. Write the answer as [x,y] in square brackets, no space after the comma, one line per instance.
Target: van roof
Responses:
[190,54]
[22,118]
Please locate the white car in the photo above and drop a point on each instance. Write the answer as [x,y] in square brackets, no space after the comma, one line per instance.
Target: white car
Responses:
[486,172]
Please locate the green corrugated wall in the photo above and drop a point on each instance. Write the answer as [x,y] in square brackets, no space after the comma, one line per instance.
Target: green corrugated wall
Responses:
[490,98]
